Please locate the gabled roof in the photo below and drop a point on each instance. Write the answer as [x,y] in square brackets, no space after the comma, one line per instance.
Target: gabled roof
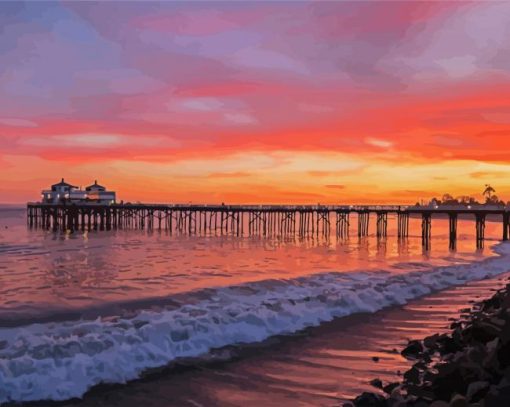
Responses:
[95,185]
[64,184]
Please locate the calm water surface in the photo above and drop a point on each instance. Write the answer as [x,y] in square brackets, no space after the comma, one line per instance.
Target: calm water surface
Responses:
[42,271]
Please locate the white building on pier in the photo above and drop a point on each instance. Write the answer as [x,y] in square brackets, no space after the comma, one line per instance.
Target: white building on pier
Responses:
[64,192]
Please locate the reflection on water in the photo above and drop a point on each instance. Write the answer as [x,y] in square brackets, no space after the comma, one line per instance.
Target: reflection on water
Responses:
[45,270]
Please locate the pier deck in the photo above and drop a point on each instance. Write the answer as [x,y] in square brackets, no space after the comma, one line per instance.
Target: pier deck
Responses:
[303,220]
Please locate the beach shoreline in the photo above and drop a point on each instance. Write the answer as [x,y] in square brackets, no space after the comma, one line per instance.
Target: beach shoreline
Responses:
[198,380]
[470,365]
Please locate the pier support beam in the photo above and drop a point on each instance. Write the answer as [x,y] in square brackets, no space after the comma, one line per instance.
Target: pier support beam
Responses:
[480,229]
[402,224]
[323,222]
[453,230]
[506,226]
[363,223]
[342,224]
[382,224]
[426,227]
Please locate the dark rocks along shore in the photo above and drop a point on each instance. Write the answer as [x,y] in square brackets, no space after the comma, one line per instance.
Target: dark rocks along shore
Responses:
[470,366]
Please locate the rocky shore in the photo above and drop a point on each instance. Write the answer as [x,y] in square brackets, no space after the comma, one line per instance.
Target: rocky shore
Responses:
[470,366]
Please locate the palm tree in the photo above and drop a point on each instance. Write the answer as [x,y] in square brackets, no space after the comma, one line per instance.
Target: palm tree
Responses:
[488,191]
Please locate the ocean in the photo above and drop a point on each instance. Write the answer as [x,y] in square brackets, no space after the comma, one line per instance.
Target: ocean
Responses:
[84,309]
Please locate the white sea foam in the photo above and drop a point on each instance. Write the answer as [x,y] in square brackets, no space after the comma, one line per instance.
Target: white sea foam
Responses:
[62,360]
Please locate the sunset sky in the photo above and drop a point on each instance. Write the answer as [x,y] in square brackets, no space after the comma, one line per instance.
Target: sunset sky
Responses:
[301,102]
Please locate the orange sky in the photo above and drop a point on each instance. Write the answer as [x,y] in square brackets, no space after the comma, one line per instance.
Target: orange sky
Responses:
[266,102]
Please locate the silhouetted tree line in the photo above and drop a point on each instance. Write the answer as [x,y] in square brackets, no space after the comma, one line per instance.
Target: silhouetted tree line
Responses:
[488,193]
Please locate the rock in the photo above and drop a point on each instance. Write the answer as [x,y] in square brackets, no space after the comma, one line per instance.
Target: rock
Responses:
[505,381]
[370,400]
[497,397]
[498,321]
[412,376]
[420,365]
[430,341]
[390,387]
[504,355]
[457,336]
[458,401]
[426,358]
[449,380]
[420,391]
[492,345]
[476,391]
[468,367]
[447,345]
[377,383]
[483,331]
[475,355]
[455,324]
[412,350]
[396,393]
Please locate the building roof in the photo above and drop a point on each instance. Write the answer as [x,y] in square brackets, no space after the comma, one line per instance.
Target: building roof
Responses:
[62,183]
[95,185]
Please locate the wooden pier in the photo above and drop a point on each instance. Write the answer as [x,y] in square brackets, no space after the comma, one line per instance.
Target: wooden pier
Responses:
[264,220]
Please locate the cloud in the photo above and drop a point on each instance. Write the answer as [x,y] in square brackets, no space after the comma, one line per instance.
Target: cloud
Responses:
[75,140]
[122,81]
[204,104]
[321,173]
[240,118]
[94,141]
[17,122]
[237,174]
[449,141]
[268,59]
[335,186]
[378,142]
[489,174]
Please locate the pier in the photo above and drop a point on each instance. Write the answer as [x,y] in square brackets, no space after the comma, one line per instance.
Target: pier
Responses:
[263,220]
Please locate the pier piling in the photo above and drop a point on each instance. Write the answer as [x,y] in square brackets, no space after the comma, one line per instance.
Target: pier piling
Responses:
[452,218]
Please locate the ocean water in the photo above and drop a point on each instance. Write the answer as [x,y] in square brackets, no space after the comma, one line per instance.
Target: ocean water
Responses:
[77,310]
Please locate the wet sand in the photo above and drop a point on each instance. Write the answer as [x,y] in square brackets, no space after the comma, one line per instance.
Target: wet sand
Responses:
[319,367]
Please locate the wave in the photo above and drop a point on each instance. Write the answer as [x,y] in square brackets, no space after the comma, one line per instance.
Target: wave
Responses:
[62,360]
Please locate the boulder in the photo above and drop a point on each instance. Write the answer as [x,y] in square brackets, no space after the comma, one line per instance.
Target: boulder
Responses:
[412,376]
[476,391]
[430,341]
[458,401]
[413,350]
[370,400]
[390,387]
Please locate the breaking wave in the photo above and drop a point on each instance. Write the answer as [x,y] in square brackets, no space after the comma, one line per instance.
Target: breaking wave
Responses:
[62,360]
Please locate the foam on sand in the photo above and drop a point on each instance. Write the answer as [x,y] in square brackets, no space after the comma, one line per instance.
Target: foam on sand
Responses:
[61,360]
